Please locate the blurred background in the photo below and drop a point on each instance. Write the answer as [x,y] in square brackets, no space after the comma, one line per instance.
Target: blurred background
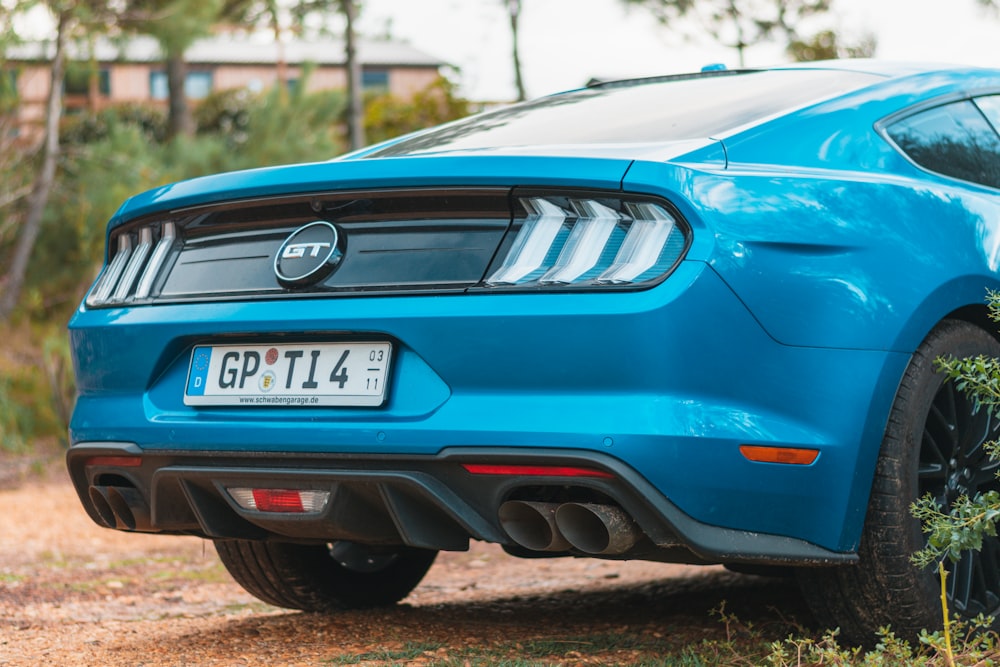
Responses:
[101,99]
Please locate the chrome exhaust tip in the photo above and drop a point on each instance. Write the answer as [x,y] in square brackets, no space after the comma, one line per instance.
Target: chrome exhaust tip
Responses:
[532,525]
[597,529]
[130,508]
[99,499]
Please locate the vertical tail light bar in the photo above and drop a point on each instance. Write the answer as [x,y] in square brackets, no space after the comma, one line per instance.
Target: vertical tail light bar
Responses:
[136,264]
[585,244]
[166,242]
[575,241]
[643,245]
[110,277]
[533,242]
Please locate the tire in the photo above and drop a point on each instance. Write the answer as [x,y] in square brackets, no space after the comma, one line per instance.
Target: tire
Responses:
[933,444]
[324,578]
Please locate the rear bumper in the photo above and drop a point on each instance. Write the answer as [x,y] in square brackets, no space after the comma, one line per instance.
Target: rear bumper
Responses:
[666,382]
[429,502]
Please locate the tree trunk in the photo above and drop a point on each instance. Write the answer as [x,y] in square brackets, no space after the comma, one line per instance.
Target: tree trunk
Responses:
[179,120]
[39,198]
[355,101]
[514,9]
[281,66]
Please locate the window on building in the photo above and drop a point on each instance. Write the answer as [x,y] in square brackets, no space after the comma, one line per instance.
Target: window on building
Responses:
[955,140]
[77,80]
[158,89]
[375,80]
[197,85]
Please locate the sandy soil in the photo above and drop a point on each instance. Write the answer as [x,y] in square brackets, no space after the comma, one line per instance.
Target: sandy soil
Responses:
[72,593]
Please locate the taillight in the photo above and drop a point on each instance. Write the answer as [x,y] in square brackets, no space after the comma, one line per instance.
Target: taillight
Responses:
[533,470]
[135,266]
[287,501]
[590,242]
[114,461]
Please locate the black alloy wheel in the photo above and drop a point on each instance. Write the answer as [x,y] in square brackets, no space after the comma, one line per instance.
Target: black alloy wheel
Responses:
[954,462]
[933,444]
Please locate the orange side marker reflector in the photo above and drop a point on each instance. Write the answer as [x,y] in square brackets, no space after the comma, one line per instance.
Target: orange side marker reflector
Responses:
[791,455]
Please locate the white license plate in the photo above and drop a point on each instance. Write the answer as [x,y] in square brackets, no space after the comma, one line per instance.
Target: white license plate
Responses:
[306,374]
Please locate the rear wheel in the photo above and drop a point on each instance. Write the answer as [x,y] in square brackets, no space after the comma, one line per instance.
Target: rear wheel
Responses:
[933,444]
[324,577]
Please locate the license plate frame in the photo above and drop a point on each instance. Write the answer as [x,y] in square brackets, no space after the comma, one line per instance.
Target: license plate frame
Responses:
[307,374]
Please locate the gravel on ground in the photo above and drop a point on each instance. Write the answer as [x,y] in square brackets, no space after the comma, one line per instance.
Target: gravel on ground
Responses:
[73,593]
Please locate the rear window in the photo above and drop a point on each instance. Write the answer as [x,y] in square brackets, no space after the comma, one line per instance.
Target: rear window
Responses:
[990,106]
[651,110]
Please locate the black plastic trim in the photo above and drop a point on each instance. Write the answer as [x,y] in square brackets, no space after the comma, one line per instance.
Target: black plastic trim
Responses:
[405,242]
[426,501]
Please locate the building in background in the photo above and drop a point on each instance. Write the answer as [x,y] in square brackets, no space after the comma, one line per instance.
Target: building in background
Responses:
[132,70]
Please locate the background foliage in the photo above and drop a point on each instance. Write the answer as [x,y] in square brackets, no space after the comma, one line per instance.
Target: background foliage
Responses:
[119,151]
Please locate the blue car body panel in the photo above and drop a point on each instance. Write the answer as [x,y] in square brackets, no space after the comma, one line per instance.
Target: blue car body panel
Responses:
[819,259]
[665,414]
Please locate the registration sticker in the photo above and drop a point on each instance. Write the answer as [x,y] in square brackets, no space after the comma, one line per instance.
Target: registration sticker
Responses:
[306,374]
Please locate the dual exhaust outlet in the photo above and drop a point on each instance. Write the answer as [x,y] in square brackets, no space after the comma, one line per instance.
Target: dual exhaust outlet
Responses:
[592,528]
[121,507]
[588,527]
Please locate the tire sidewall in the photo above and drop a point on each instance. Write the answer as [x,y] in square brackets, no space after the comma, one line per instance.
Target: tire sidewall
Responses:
[899,460]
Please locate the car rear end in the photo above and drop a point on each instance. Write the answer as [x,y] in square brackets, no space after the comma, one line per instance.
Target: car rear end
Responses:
[461,361]
[415,348]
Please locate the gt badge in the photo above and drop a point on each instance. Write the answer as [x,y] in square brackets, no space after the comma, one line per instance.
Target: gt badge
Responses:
[309,255]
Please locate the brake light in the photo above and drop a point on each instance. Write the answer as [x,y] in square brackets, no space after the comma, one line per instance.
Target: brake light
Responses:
[288,501]
[137,262]
[114,461]
[534,471]
[590,242]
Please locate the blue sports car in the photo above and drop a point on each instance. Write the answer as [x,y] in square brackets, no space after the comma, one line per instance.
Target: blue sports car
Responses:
[687,318]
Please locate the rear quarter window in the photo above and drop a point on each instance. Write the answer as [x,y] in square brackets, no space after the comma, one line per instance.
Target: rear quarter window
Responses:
[954,140]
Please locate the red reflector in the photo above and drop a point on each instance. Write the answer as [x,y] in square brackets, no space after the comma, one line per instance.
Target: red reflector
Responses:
[534,471]
[790,455]
[115,461]
[278,500]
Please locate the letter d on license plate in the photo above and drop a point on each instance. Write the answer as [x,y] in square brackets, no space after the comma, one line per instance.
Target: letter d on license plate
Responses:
[306,374]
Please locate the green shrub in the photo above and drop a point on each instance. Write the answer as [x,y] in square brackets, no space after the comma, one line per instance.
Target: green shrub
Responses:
[113,154]
[388,116]
[36,386]
[89,127]
[226,113]
[296,128]
[16,420]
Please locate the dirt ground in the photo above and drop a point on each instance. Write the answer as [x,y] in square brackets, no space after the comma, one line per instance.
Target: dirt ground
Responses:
[72,593]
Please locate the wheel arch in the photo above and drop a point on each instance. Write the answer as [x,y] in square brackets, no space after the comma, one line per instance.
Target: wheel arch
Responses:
[960,298]
[884,395]
[977,314]
[856,597]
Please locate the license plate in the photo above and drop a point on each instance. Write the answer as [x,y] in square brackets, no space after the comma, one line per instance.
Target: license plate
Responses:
[307,374]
